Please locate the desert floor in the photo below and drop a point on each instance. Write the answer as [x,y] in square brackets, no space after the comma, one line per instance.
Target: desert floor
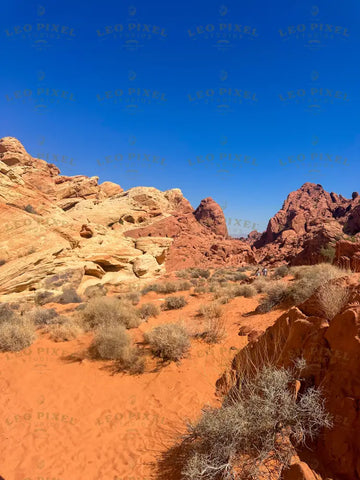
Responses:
[65,417]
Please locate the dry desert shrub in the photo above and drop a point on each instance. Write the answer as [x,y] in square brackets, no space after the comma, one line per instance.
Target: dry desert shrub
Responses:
[169,341]
[199,289]
[65,331]
[106,311]
[132,297]
[43,316]
[332,299]
[114,343]
[6,313]
[210,310]
[228,275]
[109,342]
[44,297]
[282,271]
[149,310]
[69,295]
[214,331]
[246,291]
[261,284]
[167,287]
[309,278]
[174,303]
[261,424]
[276,294]
[16,333]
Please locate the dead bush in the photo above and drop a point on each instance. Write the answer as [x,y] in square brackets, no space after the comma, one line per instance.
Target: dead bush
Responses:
[332,299]
[65,331]
[259,425]
[2,262]
[174,303]
[106,311]
[169,341]
[16,334]
[149,310]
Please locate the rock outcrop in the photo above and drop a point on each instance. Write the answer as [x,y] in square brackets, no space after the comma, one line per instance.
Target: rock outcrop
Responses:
[332,354]
[309,221]
[52,223]
[210,215]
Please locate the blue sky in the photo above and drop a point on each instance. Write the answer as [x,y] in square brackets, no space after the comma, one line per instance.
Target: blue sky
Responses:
[240,101]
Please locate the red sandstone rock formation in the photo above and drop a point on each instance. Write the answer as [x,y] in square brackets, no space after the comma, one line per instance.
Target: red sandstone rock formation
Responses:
[210,214]
[309,220]
[332,354]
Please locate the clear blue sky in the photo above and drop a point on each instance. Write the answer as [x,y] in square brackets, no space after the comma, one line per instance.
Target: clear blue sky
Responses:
[240,101]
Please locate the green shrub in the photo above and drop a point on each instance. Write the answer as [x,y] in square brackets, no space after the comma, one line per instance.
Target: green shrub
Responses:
[174,303]
[328,252]
[169,342]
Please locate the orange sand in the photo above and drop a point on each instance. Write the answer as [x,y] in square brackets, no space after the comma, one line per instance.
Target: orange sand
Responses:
[69,420]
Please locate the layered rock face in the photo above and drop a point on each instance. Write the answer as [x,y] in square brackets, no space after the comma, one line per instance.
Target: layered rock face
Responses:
[198,244]
[309,219]
[347,255]
[53,223]
[332,354]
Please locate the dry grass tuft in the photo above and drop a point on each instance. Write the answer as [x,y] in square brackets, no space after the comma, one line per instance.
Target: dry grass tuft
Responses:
[332,298]
[169,341]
